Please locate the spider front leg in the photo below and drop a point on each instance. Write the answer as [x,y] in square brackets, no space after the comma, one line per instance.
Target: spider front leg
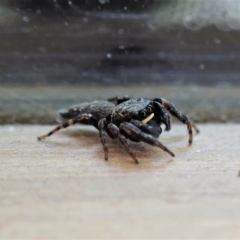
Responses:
[131,131]
[151,127]
[82,118]
[176,113]
[115,131]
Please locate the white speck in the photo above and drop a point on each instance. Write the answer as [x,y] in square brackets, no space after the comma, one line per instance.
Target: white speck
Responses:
[70,3]
[84,74]
[189,176]
[217,41]
[11,129]
[109,55]
[202,66]
[26,19]
[198,151]
[120,31]
[42,49]
[85,20]
[125,8]
[102,1]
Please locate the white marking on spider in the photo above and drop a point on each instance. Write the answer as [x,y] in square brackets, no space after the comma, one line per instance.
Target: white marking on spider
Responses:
[147,119]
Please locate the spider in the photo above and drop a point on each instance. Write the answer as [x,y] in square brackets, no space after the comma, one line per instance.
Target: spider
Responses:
[124,118]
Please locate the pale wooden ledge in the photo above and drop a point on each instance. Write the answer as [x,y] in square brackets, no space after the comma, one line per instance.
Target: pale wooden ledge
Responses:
[40,105]
[62,188]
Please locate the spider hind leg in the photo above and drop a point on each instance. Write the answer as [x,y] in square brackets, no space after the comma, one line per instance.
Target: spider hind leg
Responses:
[79,119]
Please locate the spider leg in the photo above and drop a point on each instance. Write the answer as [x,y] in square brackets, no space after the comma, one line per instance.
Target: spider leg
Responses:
[79,119]
[131,131]
[102,126]
[181,117]
[118,99]
[115,131]
[153,128]
[164,116]
[194,127]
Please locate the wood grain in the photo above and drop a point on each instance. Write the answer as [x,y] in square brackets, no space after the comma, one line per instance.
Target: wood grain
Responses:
[62,188]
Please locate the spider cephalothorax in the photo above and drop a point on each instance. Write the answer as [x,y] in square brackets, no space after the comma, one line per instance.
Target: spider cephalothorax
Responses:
[123,118]
[141,109]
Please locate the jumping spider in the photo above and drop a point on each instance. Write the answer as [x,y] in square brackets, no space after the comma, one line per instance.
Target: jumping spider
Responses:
[124,118]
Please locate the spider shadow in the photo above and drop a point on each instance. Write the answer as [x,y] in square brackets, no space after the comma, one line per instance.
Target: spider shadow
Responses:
[149,157]
[77,132]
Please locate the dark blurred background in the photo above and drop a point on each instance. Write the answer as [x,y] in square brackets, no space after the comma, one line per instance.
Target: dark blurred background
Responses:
[118,42]
[58,52]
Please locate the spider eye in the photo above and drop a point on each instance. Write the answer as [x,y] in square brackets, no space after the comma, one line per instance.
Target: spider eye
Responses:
[149,109]
[142,114]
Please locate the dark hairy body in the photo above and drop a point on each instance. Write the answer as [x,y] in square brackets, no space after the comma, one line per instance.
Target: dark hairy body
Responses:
[124,118]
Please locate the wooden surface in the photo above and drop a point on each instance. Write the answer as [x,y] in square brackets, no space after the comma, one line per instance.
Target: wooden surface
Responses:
[62,187]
